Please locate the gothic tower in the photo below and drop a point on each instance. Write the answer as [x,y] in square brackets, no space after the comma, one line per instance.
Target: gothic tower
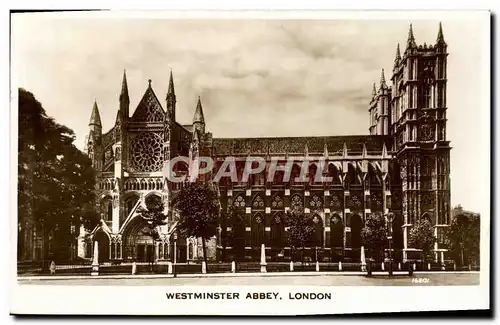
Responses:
[379,108]
[418,124]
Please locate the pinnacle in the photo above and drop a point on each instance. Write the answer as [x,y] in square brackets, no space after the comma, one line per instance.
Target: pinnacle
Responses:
[398,54]
[124,92]
[95,118]
[198,114]
[382,80]
[440,37]
[171,90]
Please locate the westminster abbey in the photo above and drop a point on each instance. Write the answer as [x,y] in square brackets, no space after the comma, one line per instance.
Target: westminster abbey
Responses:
[402,167]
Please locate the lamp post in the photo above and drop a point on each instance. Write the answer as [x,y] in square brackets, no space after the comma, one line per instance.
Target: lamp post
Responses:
[175,253]
[390,219]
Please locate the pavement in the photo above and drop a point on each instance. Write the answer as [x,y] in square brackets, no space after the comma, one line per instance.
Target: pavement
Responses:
[278,278]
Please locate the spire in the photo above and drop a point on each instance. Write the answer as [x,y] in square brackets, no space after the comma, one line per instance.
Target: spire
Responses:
[440,37]
[365,152]
[410,34]
[95,118]
[124,92]
[171,90]
[410,43]
[398,56]
[374,90]
[383,85]
[198,114]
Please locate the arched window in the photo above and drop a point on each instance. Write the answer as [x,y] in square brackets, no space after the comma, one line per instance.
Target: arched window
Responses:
[107,208]
[336,232]
[316,203]
[258,230]
[356,224]
[297,203]
[317,236]
[277,203]
[239,202]
[258,203]
[277,231]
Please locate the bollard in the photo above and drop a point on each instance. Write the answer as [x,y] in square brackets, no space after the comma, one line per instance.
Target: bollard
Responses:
[340,266]
[443,267]
[470,267]
[170,268]
[203,267]
[134,268]
[414,266]
[383,266]
[52,268]
[317,266]
[291,266]
[233,267]
[429,266]
[454,266]
[399,266]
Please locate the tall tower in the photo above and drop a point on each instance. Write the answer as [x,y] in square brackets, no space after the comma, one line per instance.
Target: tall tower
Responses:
[379,108]
[418,124]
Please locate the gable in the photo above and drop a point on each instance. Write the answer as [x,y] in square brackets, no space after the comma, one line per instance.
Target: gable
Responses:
[149,109]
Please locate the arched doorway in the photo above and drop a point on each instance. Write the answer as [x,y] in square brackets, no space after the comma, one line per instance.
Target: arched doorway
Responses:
[102,238]
[137,241]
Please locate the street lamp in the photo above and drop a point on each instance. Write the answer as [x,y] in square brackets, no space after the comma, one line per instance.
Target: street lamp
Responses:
[390,219]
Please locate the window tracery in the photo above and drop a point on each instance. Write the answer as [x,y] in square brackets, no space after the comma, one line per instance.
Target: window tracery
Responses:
[277,202]
[239,202]
[146,152]
[316,202]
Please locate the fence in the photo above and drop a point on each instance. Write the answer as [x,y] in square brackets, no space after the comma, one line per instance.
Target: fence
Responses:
[84,267]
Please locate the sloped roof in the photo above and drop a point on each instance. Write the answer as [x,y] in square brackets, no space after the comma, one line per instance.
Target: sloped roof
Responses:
[297,145]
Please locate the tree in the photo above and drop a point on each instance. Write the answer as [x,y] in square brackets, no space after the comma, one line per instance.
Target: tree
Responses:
[300,229]
[422,237]
[374,235]
[199,210]
[55,180]
[154,217]
[463,238]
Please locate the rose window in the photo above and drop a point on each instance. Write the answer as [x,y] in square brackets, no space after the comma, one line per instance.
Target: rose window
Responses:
[146,152]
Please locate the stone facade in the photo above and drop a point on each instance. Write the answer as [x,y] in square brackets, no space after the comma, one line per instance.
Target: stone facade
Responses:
[402,167]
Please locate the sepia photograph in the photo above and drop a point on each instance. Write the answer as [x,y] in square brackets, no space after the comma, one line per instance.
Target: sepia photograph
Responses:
[231,157]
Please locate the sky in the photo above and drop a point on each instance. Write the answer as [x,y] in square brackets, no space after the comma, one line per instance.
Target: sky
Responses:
[255,77]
